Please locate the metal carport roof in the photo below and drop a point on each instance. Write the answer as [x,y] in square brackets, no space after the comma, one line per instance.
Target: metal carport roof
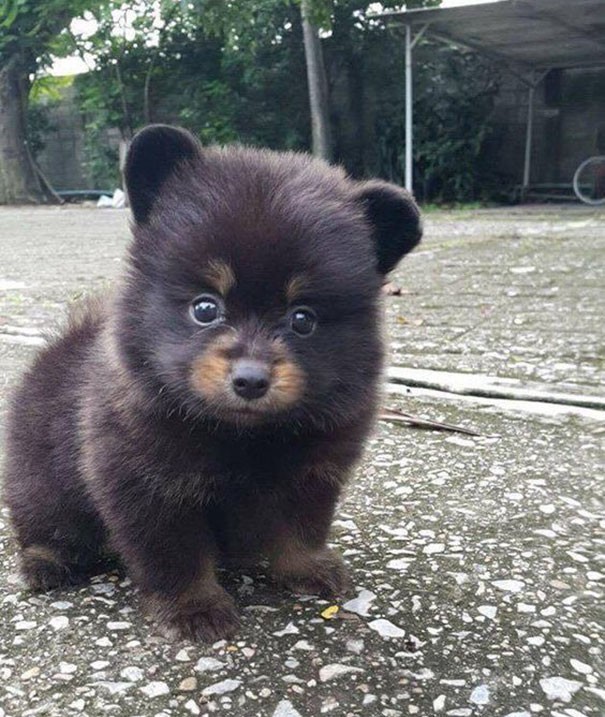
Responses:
[529,37]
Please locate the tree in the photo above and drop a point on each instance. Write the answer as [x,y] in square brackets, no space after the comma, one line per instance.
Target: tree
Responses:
[317,84]
[225,71]
[29,30]
[221,69]
[315,15]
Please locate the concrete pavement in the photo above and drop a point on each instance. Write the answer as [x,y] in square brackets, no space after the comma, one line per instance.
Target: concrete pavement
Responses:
[478,561]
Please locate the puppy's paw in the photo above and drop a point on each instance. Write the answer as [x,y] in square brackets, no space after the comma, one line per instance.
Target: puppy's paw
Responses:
[205,618]
[321,574]
[43,569]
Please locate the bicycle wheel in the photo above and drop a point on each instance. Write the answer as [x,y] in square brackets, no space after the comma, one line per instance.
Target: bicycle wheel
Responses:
[589,181]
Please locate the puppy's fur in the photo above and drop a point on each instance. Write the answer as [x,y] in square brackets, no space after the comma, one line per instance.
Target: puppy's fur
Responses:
[128,431]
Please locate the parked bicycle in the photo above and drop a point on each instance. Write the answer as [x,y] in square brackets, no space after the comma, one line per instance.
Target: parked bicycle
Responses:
[589,181]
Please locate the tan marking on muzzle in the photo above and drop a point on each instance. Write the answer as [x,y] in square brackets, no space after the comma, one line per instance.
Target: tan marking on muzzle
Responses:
[211,375]
[288,379]
[210,371]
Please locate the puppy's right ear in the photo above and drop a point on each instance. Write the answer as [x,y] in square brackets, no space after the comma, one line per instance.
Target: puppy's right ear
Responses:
[154,154]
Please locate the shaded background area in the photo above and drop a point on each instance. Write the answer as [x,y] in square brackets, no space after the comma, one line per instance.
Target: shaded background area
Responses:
[470,112]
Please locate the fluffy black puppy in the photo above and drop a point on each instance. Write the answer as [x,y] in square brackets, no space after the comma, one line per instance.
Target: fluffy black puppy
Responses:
[211,410]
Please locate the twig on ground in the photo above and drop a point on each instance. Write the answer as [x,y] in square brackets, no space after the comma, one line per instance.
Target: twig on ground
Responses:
[391,414]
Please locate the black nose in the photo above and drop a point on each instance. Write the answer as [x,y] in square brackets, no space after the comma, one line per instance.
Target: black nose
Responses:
[250,379]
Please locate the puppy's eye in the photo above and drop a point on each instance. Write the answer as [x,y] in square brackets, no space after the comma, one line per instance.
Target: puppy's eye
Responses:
[303,321]
[206,310]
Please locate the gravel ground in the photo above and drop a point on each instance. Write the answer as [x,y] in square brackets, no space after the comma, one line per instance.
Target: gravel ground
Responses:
[478,560]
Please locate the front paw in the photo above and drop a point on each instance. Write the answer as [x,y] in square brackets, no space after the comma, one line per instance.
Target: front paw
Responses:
[323,574]
[205,618]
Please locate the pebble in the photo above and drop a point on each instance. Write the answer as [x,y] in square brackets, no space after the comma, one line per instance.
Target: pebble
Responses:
[60,622]
[512,586]
[192,707]
[439,703]
[99,665]
[460,442]
[32,672]
[331,672]
[188,684]
[399,564]
[488,611]
[580,667]
[361,604]
[67,668]
[355,646]
[25,625]
[303,645]
[132,673]
[114,688]
[182,656]
[119,625]
[208,664]
[559,688]
[385,628]
[221,688]
[480,695]
[537,640]
[155,689]
[433,548]
[286,709]
[290,629]
[597,691]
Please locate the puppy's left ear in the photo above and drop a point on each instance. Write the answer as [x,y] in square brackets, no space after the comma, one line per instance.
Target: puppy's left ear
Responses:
[395,219]
[155,153]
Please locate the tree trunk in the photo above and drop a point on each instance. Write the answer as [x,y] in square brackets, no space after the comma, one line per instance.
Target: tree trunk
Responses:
[19,181]
[318,87]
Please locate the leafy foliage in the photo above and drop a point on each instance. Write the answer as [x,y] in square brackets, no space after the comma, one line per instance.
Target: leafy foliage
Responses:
[233,71]
[31,28]
[45,94]
[454,130]
[225,84]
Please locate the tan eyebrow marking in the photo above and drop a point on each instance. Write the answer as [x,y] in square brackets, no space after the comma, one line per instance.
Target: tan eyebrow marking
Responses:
[220,276]
[295,287]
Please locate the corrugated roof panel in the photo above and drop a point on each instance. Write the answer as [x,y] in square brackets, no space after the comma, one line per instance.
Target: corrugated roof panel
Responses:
[534,34]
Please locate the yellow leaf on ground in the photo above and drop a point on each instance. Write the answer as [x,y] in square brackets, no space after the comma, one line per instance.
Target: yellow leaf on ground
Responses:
[330,612]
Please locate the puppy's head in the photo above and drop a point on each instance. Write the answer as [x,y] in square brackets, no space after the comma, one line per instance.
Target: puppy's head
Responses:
[254,280]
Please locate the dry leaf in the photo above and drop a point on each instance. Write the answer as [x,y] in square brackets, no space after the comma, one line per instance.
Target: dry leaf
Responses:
[330,612]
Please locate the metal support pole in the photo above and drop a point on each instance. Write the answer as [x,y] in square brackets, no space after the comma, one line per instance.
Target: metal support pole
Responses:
[408,110]
[528,138]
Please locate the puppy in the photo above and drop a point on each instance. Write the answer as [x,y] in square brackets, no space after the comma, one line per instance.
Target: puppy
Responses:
[212,410]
